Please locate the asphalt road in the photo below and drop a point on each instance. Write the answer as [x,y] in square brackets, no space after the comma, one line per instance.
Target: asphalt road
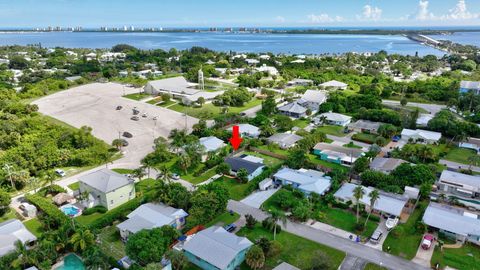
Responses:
[351,248]
[431,108]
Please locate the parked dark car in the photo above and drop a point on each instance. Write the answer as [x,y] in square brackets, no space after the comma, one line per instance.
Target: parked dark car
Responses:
[230,227]
[124,143]
[127,134]
[135,118]
[119,108]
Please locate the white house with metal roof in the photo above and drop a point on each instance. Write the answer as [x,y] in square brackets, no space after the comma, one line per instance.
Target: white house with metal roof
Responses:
[247,130]
[215,248]
[459,183]
[307,181]
[176,86]
[107,188]
[421,136]
[210,144]
[388,203]
[365,126]
[312,99]
[334,85]
[12,231]
[284,140]
[456,222]
[336,119]
[149,216]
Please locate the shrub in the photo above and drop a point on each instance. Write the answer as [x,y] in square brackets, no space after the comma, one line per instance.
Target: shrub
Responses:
[95,209]
[275,249]
[50,190]
[359,227]
[268,224]
[48,208]
[250,221]
[117,213]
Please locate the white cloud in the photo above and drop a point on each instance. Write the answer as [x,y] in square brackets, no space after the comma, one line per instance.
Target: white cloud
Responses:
[280,19]
[371,13]
[460,12]
[423,13]
[323,18]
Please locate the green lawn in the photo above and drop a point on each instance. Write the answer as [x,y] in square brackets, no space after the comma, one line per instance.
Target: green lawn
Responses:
[346,221]
[267,160]
[460,155]
[154,100]
[301,123]
[74,186]
[333,130]
[110,242]
[199,179]
[406,244]
[274,149]
[224,219]
[467,257]
[10,214]
[210,111]
[167,103]
[352,145]
[137,96]
[145,185]
[123,171]
[372,266]
[317,161]
[86,220]
[34,226]
[296,250]
[235,188]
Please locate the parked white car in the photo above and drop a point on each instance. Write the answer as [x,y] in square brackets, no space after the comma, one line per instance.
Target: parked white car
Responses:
[391,223]
[60,172]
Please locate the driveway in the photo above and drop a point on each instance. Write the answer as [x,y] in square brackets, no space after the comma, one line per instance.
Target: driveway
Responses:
[257,198]
[94,105]
[325,238]
[431,108]
[352,263]
[424,257]
[381,226]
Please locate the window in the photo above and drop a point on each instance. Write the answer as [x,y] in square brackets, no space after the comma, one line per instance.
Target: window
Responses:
[111,201]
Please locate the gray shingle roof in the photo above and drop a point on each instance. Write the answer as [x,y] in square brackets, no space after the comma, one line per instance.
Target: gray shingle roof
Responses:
[105,180]
[470,182]
[150,215]
[365,124]
[315,96]
[12,231]
[236,163]
[452,219]
[216,246]
[387,202]
[284,139]
[308,180]
[385,164]
[293,107]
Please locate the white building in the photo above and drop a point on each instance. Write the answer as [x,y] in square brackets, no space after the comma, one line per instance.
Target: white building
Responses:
[422,136]
[334,85]
[336,119]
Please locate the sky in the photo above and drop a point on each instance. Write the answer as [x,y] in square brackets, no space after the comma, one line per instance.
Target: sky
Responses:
[229,13]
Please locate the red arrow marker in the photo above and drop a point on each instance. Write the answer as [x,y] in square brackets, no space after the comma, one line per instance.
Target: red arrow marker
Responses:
[236,140]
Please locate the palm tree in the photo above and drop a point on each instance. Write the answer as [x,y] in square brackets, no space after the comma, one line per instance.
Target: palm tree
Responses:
[255,257]
[374,195]
[185,162]
[82,239]
[165,173]
[95,259]
[473,161]
[117,143]
[275,217]
[23,255]
[358,193]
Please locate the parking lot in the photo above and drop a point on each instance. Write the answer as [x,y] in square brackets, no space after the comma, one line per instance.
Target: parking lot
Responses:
[94,105]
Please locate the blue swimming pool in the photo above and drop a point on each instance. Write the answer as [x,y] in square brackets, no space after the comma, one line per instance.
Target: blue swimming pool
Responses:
[70,210]
[71,262]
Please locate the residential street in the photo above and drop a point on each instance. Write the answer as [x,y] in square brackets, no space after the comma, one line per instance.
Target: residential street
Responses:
[350,247]
[456,165]
[431,108]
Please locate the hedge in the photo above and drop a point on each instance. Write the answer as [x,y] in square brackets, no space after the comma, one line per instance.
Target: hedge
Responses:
[95,209]
[47,207]
[51,189]
[116,213]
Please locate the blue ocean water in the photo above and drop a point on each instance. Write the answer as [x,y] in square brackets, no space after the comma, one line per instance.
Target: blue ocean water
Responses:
[238,42]
[466,38]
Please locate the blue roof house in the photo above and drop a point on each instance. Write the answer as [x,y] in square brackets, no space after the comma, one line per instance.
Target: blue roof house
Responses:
[215,248]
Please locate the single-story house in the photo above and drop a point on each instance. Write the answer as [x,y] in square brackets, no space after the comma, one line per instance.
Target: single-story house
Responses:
[149,216]
[312,99]
[365,126]
[178,87]
[12,231]
[269,69]
[215,248]
[253,168]
[307,181]
[299,82]
[207,96]
[247,130]
[420,135]
[285,266]
[284,140]
[210,144]
[265,184]
[337,154]
[464,184]
[471,143]
[293,109]
[467,86]
[454,222]
[385,165]
[336,119]
[73,78]
[335,85]
[107,188]
[387,203]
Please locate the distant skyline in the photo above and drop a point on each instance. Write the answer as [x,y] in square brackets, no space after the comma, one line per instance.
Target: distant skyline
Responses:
[247,13]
